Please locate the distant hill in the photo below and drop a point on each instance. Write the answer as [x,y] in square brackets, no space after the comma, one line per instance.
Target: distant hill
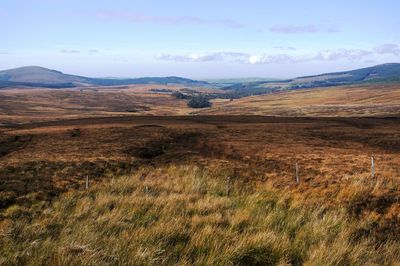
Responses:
[34,76]
[388,73]
[385,72]
[230,81]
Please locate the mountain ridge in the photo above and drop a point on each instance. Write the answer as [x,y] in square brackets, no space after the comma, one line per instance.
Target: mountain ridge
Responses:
[36,76]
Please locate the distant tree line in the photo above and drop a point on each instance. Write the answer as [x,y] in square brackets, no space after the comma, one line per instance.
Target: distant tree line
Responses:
[161,90]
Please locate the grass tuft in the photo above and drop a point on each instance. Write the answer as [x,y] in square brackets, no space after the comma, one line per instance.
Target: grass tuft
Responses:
[183,215]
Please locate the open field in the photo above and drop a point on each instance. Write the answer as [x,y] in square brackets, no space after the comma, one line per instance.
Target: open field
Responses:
[226,133]
[196,189]
[35,105]
[367,100]
[330,152]
[141,169]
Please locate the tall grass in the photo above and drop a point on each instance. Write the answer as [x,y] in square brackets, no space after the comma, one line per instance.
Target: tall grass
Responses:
[183,215]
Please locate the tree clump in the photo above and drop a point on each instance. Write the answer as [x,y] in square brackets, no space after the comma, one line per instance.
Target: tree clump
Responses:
[199,101]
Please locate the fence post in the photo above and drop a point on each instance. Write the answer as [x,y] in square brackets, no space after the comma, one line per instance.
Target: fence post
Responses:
[297,173]
[87,182]
[228,185]
[372,167]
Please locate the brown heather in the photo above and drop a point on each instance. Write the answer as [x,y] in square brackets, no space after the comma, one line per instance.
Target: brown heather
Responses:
[158,191]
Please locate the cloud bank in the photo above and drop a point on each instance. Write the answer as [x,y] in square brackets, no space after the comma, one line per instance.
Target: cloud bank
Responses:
[282,58]
[193,57]
[388,48]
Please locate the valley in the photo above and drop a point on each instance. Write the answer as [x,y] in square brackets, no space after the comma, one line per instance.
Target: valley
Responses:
[39,104]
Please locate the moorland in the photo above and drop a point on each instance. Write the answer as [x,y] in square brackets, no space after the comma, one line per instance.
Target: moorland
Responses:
[130,174]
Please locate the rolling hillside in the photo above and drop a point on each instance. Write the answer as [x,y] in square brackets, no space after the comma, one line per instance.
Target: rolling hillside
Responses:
[34,76]
[386,73]
[355,100]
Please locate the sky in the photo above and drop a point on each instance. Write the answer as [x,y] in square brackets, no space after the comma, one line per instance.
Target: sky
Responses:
[199,38]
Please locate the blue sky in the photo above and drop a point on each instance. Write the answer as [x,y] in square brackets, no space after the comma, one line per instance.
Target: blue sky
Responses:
[199,39]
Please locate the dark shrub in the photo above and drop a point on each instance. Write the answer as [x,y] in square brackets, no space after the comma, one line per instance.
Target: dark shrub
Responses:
[199,101]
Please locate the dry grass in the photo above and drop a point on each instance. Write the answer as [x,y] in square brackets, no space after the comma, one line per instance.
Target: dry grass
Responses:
[35,105]
[367,100]
[158,191]
[183,215]
[40,161]
[158,185]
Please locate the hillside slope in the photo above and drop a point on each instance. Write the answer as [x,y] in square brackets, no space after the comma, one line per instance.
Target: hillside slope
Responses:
[376,73]
[357,100]
[34,76]
[385,73]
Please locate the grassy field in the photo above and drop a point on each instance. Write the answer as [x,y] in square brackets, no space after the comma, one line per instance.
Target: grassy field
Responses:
[200,190]
[193,189]
[35,105]
[353,101]
[187,215]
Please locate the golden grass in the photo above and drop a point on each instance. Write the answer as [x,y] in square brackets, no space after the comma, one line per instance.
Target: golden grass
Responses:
[44,160]
[366,100]
[183,215]
[174,208]
[33,105]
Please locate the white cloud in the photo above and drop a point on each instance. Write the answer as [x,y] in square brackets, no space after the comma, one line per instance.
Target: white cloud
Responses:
[271,59]
[349,54]
[388,48]
[194,57]
[326,55]
[280,58]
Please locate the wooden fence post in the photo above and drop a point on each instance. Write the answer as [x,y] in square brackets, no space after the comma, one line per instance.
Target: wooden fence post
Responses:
[297,173]
[372,167]
[228,185]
